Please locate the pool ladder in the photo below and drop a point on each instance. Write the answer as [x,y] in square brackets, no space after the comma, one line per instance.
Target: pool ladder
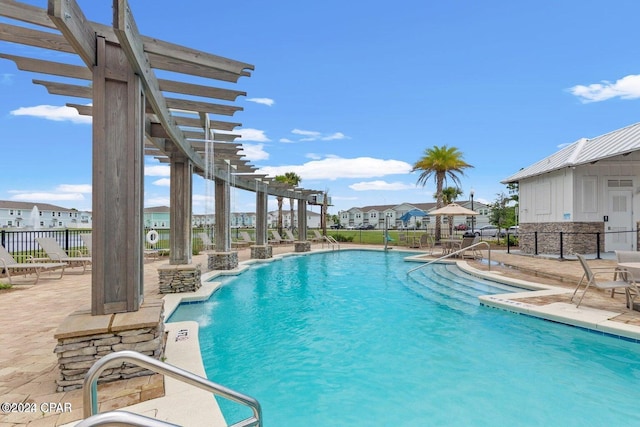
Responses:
[90,392]
[331,242]
[459,251]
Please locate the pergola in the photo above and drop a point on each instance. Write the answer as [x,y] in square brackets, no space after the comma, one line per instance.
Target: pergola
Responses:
[136,114]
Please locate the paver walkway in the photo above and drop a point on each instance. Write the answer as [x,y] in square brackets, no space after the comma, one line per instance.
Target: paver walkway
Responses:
[30,315]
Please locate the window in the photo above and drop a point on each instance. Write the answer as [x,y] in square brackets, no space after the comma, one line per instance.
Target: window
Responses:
[10,212]
[616,183]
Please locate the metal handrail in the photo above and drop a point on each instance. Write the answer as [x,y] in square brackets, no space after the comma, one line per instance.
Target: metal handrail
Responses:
[90,386]
[123,418]
[332,242]
[455,253]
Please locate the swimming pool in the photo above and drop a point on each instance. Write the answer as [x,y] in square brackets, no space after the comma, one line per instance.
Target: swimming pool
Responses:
[345,339]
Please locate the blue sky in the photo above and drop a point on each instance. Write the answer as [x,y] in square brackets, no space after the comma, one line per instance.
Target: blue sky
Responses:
[349,95]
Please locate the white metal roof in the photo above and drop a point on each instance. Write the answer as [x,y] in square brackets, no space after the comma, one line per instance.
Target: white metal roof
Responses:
[621,141]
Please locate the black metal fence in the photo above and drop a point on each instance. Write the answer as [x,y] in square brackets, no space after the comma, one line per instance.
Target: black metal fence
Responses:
[563,243]
[22,243]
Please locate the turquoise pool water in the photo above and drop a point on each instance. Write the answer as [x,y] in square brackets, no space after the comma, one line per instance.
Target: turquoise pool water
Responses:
[346,339]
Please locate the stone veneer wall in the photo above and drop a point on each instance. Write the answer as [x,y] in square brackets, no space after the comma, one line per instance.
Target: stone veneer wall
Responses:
[179,278]
[223,260]
[302,246]
[83,339]
[578,237]
[261,252]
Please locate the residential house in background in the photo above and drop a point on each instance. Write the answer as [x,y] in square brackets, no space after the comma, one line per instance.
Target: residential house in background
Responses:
[377,215]
[588,191]
[41,216]
[313,219]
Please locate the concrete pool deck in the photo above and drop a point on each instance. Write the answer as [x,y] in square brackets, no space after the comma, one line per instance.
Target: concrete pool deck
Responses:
[31,315]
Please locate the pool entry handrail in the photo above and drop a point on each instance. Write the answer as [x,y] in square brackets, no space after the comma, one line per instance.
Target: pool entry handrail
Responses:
[331,242]
[459,251]
[122,418]
[90,384]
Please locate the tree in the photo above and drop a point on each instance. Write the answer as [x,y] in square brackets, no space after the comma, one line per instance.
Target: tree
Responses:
[449,195]
[441,164]
[502,215]
[292,179]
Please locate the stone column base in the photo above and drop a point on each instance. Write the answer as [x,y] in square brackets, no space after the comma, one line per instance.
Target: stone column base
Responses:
[179,278]
[303,246]
[223,260]
[83,339]
[261,252]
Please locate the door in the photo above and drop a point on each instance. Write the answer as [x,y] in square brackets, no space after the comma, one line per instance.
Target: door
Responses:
[618,230]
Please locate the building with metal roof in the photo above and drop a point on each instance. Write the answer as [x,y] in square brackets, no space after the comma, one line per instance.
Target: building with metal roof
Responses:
[583,198]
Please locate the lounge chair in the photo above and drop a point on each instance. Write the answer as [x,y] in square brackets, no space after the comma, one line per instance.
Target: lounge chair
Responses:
[290,235]
[317,237]
[87,239]
[590,277]
[57,254]
[243,240]
[9,264]
[207,244]
[278,239]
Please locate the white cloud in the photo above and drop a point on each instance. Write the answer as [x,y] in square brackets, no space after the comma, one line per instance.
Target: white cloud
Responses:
[286,140]
[48,197]
[337,135]
[162,182]
[335,168]
[157,170]
[309,133]
[264,101]
[71,188]
[254,152]
[156,201]
[313,156]
[312,135]
[52,112]
[249,134]
[63,192]
[381,185]
[627,87]
[6,79]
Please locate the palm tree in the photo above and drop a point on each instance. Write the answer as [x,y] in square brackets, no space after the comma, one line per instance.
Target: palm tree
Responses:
[449,195]
[293,179]
[441,163]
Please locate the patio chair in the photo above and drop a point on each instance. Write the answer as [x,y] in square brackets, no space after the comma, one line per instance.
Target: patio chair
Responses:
[57,254]
[9,264]
[207,244]
[625,257]
[467,242]
[402,239]
[591,278]
[428,241]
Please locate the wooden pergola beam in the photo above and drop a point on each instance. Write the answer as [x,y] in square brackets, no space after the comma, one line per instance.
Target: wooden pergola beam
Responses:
[127,32]
[70,20]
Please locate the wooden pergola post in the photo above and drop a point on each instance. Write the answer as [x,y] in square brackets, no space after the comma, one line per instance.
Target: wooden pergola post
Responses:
[118,123]
[181,210]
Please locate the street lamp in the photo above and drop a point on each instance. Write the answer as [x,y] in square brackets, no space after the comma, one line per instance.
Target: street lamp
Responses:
[473,217]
